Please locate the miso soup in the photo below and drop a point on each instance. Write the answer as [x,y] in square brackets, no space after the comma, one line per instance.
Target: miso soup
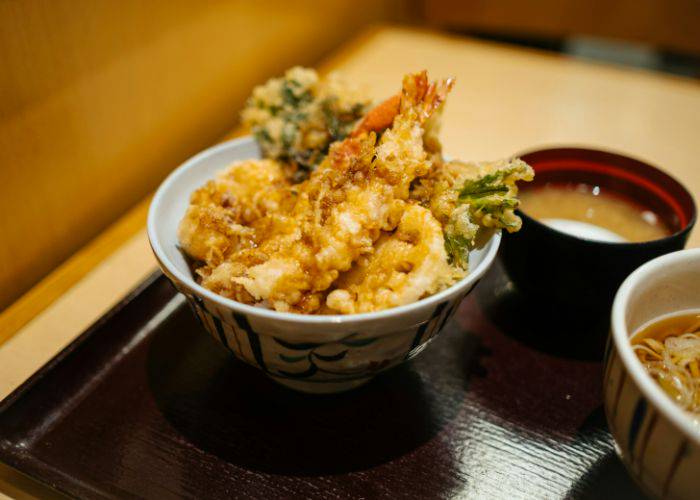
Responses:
[591,212]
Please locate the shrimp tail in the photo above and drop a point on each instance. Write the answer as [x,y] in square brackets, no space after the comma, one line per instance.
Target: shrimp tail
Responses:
[423,96]
[416,94]
[380,117]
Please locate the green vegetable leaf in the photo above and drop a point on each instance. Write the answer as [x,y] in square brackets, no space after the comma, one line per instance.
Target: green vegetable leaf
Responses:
[332,120]
[485,186]
[262,135]
[492,198]
[289,133]
[457,247]
[290,96]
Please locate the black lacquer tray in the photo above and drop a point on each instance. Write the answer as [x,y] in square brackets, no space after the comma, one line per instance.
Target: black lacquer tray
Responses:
[506,403]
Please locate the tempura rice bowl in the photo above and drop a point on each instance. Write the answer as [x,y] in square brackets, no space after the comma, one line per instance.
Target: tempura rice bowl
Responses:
[311,353]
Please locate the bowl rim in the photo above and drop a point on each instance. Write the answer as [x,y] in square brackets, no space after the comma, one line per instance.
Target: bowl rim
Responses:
[579,149]
[620,335]
[172,271]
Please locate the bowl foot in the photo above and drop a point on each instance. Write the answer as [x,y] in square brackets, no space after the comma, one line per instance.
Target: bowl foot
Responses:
[321,387]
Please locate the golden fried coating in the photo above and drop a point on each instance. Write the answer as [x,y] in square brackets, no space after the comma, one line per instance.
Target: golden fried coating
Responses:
[358,191]
[469,197]
[295,118]
[217,220]
[488,186]
[285,245]
[406,265]
[381,221]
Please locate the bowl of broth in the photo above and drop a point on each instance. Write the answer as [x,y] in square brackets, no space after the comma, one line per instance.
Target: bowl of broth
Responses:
[589,219]
[651,380]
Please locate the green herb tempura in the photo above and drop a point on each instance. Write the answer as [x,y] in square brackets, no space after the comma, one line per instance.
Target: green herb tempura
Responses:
[295,118]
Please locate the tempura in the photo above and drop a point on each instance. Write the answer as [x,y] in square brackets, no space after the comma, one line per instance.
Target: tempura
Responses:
[380,221]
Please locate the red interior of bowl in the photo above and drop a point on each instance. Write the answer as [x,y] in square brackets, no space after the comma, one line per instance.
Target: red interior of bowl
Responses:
[621,176]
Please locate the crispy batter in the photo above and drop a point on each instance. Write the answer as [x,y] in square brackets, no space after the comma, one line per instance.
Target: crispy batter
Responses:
[471,200]
[357,192]
[406,265]
[483,185]
[220,213]
[295,118]
[290,256]
[381,221]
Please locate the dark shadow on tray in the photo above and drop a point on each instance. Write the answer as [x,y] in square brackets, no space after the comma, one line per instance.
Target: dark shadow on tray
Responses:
[545,326]
[541,397]
[523,372]
[607,478]
[232,410]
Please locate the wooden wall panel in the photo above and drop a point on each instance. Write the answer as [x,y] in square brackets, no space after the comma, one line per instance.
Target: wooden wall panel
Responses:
[670,24]
[100,99]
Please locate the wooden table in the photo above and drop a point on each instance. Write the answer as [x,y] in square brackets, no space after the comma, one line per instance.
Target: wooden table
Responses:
[506,100]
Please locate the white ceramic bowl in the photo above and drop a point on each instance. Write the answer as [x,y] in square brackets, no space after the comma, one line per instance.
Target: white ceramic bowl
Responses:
[319,354]
[656,440]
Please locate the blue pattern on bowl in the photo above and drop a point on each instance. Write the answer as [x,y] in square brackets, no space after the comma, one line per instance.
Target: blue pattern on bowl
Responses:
[304,365]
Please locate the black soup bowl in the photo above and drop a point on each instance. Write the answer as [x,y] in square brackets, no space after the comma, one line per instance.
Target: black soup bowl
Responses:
[578,275]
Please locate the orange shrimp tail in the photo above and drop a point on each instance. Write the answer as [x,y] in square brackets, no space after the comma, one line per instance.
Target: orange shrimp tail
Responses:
[379,117]
[425,97]
[417,93]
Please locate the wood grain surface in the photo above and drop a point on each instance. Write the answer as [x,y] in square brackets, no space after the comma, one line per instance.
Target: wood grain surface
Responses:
[147,404]
[506,100]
